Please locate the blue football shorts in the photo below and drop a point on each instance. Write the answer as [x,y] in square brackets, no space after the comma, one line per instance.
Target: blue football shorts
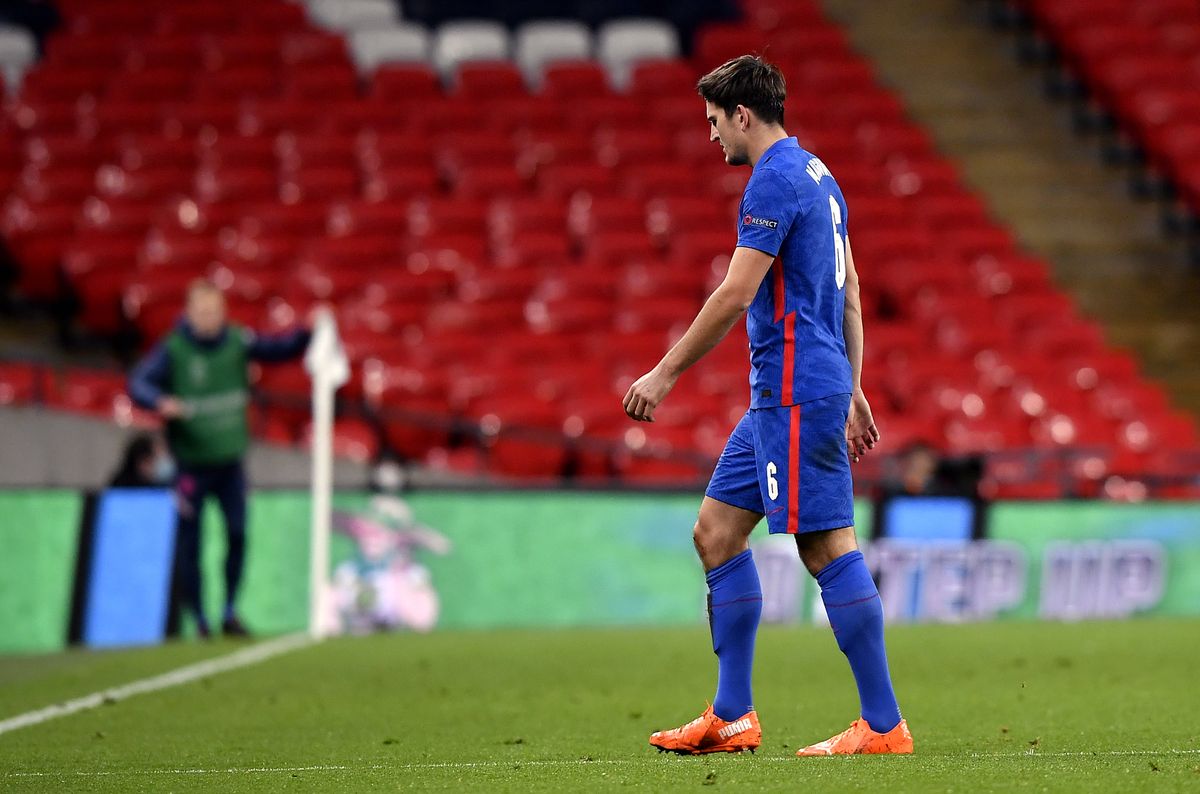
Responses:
[790,464]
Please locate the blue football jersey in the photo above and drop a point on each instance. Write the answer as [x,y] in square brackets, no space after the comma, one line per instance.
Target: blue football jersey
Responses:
[793,210]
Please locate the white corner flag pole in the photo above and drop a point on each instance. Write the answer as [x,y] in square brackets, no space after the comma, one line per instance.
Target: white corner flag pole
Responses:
[328,368]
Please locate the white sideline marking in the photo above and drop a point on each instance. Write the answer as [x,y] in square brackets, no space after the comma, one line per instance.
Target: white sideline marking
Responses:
[519,763]
[184,675]
[248,771]
[1031,753]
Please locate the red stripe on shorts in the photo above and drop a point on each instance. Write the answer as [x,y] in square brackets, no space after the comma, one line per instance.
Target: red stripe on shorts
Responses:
[793,499]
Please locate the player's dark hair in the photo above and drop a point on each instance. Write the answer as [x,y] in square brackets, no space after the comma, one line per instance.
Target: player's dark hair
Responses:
[747,80]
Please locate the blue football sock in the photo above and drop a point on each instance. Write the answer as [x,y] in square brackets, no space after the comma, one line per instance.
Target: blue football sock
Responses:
[856,615]
[230,613]
[734,607]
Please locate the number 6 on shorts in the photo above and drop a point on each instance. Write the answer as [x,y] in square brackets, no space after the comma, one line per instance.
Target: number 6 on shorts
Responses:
[772,483]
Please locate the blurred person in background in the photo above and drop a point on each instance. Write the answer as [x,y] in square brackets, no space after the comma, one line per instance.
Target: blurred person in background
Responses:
[918,465]
[197,378]
[922,471]
[145,463]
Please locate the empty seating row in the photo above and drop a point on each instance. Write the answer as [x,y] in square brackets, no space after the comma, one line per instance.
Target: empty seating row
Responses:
[506,257]
[1141,61]
[618,45]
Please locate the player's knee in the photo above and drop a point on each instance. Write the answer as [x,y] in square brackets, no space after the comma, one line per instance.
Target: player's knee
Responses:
[706,537]
[714,543]
[699,537]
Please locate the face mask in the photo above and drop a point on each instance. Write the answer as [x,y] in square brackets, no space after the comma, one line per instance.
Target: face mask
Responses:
[164,469]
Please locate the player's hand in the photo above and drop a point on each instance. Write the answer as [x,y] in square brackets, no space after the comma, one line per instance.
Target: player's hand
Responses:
[170,408]
[646,393]
[861,433]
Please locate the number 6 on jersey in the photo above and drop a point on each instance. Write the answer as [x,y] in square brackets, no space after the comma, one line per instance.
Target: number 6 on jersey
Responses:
[839,244]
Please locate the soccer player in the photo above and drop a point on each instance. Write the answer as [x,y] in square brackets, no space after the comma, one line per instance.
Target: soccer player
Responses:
[793,275]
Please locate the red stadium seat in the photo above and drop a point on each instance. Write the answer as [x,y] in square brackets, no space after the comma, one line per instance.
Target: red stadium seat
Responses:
[245,183]
[597,113]
[164,248]
[452,113]
[19,383]
[717,43]
[485,80]
[517,114]
[92,392]
[353,439]
[488,180]
[320,182]
[570,314]
[210,117]
[512,215]
[441,215]
[459,150]
[249,151]
[568,80]
[76,52]
[681,215]
[545,148]
[533,249]
[513,455]
[591,215]
[271,116]
[615,149]
[565,180]
[322,83]
[247,49]
[303,48]
[57,184]
[397,182]
[663,180]
[590,282]
[273,17]
[655,79]
[773,15]
[620,246]
[149,85]
[405,83]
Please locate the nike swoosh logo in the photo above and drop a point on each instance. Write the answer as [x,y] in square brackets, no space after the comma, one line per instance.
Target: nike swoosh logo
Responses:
[776,510]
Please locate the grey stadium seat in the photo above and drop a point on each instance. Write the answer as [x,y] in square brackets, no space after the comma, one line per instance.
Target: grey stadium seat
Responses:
[468,40]
[353,14]
[399,44]
[546,41]
[18,50]
[623,43]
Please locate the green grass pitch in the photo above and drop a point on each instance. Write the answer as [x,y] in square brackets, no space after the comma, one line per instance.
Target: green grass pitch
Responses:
[1016,706]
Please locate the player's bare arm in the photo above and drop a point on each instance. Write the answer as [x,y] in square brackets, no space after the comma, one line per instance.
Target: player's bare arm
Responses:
[861,433]
[723,308]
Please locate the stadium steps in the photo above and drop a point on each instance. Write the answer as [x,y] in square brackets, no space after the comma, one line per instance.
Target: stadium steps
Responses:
[1019,152]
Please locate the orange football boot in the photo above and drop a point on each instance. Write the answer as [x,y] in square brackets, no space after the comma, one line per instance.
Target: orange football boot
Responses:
[708,733]
[860,739]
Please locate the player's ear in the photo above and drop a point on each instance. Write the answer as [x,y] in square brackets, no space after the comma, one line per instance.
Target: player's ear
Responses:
[743,117]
